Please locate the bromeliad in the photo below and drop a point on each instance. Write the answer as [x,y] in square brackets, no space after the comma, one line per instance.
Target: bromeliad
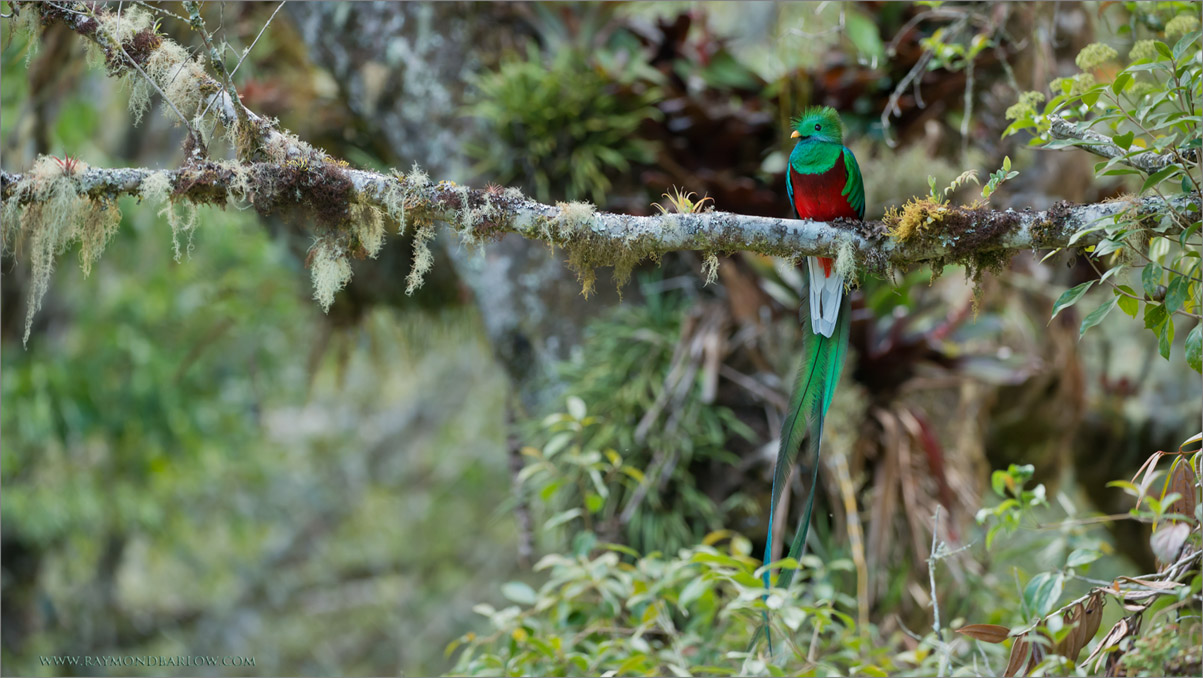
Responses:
[824,183]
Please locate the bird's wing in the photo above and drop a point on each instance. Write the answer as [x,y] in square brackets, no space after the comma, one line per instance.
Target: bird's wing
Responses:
[854,188]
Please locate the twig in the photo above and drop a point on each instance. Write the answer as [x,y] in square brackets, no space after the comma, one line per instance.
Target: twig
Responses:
[968,113]
[244,56]
[892,104]
[117,44]
[935,603]
[198,24]
[938,13]
[256,40]
[186,123]
[915,76]
[1115,286]
[1171,269]
[160,10]
[84,23]
[1171,573]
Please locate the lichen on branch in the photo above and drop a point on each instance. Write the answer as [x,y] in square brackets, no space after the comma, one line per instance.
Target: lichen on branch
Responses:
[45,213]
[350,211]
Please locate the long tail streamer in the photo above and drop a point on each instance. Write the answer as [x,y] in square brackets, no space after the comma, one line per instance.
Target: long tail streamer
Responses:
[818,375]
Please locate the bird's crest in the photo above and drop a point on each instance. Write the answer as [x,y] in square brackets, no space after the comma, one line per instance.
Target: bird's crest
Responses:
[819,122]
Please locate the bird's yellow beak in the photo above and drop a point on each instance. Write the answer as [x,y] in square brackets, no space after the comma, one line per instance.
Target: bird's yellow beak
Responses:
[795,135]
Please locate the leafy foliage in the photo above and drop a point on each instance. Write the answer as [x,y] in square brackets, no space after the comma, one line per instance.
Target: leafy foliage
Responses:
[604,607]
[562,122]
[648,403]
[1016,501]
[619,612]
[1150,110]
[1054,636]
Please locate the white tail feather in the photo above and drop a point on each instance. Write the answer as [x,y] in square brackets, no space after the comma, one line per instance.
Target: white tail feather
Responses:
[826,292]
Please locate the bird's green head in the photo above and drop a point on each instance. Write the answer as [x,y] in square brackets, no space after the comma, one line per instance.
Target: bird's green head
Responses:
[818,123]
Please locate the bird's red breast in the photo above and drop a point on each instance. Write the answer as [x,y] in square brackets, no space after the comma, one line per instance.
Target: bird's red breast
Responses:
[820,196]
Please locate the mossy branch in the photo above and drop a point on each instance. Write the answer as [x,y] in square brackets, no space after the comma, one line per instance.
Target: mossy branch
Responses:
[1104,146]
[57,203]
[953,233]
[132,47]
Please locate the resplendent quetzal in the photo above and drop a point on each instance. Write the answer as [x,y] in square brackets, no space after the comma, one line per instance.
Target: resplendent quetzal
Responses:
[824,183]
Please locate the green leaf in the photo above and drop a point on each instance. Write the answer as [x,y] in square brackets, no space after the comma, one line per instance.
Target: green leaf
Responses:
[990,534]
[1082,233]
[594,502]
[998,483]
[1185,43]
[1176,293]
[561,518]
[1070,297]
[1080,557]
[1042,593]
[1124,140]
[557,444]
[1163,49]
[576,408]
[1127,304]
[550,489]
[1166,340]
[1158,176]
[1096,316]
[1154,315]
[519,592]
[692,591]
[635,664]
[1119,268]
[1190,230]
[1107,247]
[1126,486]
[1121,81]
[1194,348]
[862,31]
[1150,278]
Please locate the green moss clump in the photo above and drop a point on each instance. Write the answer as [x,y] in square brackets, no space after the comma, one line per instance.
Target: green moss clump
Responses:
[968,235]
[917,217]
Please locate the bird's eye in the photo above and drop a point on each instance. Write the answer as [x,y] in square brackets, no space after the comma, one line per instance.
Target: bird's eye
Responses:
[818,127]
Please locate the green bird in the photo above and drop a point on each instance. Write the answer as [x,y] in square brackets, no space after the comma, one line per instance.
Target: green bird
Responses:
[823,182]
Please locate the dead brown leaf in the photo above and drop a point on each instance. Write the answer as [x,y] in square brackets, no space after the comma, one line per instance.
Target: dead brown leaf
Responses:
[1108,650]
[1026,653]
[1183,481]
[1084,618]
[990,633]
